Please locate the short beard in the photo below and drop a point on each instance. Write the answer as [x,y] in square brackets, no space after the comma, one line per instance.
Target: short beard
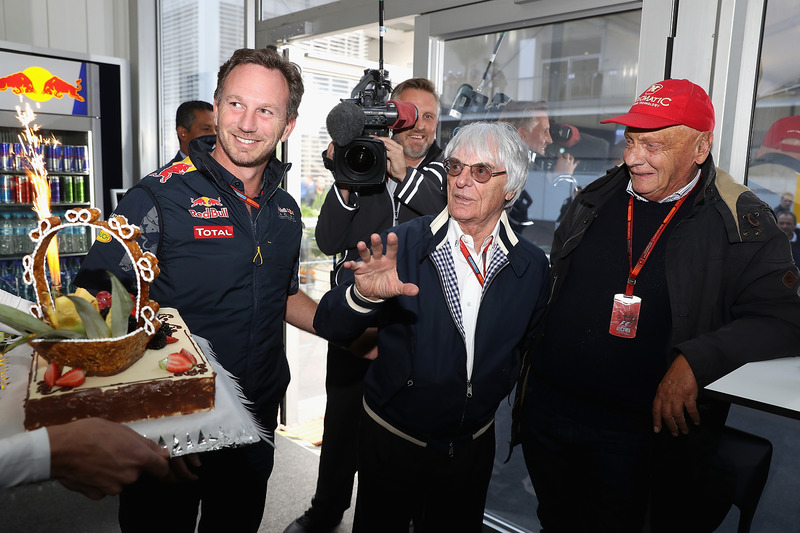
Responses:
[411,154]
[254,163]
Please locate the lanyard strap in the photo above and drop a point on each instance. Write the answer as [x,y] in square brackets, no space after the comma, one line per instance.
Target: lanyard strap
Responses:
[471,261]
[635,269]
[243,197]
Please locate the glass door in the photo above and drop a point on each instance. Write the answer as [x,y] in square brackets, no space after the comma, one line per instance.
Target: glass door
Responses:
[575,73]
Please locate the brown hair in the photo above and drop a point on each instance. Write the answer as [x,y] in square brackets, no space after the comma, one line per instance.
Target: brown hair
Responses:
[271,59]
[422,84]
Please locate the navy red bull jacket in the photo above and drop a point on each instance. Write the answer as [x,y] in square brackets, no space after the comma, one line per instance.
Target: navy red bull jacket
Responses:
[228,272]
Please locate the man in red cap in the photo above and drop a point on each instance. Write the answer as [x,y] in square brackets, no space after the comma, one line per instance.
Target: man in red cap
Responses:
[667,274]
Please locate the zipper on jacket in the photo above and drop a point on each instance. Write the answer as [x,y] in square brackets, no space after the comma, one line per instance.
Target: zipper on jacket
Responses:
[254,273]
[469,373]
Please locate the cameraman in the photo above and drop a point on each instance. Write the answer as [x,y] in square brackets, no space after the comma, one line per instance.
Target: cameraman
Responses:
[550,179]
[414,186]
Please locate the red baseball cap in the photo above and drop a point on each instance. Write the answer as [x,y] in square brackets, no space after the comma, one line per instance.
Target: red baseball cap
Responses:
[784,135]
[669,103]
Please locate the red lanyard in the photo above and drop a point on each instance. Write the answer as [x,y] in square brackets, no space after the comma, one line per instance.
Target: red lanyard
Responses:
[635,269]
[243,197]
[471,260]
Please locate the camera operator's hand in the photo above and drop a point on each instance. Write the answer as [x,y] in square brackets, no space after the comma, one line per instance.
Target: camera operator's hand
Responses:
[565,164]
[345,192]
[395,159]
[366,346]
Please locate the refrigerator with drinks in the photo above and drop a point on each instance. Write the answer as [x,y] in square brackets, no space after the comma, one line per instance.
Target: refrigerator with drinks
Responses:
[49,114]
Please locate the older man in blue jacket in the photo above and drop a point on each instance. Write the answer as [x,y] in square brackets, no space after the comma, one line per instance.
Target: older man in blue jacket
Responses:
[450,339]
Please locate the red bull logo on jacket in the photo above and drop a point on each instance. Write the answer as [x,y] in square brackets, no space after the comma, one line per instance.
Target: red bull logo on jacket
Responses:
[177,168]
[211,205]
[206,201]
[285,213]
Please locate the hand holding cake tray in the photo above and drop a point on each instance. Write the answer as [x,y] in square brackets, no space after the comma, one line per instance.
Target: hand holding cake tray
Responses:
[130,377]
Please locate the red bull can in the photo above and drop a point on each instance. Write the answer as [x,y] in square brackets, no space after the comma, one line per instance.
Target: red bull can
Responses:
[6,159]
[54,158]
[66,189]
[7,189]
[81,159]
[69,158]
[18,162]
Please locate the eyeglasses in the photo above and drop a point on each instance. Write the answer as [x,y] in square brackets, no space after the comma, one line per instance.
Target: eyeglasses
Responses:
[480,171]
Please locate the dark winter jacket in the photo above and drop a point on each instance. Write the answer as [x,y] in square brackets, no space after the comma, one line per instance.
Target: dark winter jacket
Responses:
[730,277]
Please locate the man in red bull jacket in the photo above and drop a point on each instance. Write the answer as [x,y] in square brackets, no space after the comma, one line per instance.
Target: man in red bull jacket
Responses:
[233,277]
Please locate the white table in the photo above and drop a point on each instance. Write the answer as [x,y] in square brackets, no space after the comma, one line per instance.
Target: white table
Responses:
[772,386]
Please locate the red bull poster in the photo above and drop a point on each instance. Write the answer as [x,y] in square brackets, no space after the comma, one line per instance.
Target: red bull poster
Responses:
[48,85]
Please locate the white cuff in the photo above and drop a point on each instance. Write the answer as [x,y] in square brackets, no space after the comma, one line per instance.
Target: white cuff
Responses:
[24,458]
[354,299]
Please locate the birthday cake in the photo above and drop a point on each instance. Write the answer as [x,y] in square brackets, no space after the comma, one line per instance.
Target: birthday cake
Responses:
[152,387]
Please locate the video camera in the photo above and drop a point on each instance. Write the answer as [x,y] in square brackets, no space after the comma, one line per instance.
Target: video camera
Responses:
[359,159]
[563,134]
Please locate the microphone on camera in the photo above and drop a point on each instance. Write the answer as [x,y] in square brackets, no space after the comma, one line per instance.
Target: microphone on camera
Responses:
[345,122]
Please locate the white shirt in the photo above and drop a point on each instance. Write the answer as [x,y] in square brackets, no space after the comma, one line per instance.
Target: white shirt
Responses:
[674,197]
[24,458]
[469,288]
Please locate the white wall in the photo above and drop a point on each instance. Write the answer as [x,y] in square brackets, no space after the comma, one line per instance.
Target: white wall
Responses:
[102,31]
[96,27]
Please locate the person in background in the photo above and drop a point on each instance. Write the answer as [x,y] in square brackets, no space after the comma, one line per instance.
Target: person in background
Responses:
[414,186]
[193,119]
[455,297]
[785,205]
[227,238]
[92,456]
[787,222]
[533,125]
[308,190]
[550,182]
[681,275]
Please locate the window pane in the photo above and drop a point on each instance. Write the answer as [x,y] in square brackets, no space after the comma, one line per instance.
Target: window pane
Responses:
[585,70]
[270,8]
[775,141]
[332,66]
[582,71]
[210,32]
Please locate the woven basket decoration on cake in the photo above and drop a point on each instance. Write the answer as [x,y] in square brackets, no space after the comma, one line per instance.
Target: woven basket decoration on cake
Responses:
[97,357]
